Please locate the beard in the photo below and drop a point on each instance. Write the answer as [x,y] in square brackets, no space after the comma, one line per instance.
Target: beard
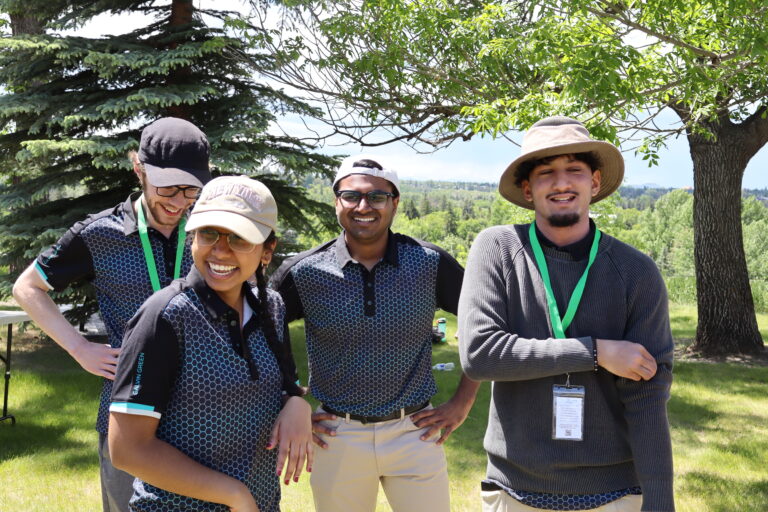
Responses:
[155,211]
[563,220]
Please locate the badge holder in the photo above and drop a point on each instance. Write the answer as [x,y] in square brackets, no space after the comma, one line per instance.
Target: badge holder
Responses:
[568,412]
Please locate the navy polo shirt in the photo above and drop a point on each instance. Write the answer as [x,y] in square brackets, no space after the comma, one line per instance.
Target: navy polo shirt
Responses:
[369,333]
[105,249]
[215,389]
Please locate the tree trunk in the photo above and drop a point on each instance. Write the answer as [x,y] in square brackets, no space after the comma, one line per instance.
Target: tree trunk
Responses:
[181,15]
[25,24]
[22,24]
[727,322]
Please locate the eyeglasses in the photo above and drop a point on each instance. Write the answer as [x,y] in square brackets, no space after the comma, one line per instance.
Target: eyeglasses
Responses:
[375,198]
[188,192]
[207,237]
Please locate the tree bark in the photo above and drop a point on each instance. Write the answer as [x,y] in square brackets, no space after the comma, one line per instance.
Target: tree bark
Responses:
[181,15]
[727,322]
[25,24]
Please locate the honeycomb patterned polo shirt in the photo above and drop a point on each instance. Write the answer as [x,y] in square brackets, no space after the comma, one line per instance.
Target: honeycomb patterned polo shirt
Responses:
[369,333]
[185,362]
[105,250]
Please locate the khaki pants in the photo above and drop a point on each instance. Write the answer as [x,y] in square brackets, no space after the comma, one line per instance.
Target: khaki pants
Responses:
[500,501]
[412,472]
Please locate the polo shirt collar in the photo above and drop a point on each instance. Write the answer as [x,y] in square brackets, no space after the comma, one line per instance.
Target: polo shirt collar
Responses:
[578,250]
[213,304]
[343,257]
[130,222]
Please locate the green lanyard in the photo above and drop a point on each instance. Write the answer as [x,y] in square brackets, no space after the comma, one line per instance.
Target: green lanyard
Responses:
[560,325]
[149,257]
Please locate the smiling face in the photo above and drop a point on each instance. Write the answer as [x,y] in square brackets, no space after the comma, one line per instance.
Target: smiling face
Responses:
[164,212]
[362,223]
[561,191]
[225,270]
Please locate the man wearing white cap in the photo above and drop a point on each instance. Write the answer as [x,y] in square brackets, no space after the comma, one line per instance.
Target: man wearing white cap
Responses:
[572,327]
[126,253]
[368,299]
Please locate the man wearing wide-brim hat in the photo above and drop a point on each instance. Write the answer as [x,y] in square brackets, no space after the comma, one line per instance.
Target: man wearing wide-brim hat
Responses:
[572,327]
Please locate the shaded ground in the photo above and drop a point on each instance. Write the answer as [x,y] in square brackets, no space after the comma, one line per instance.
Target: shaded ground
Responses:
[683,352]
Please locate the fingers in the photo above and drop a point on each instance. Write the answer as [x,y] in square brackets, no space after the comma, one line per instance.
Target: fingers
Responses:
[322,416]
[426,418]
[319,428]
[430,433]
[282,454]
[626,359]
[291,456]
[319,441]
[98,359]
[310,457]
[274,438]
[446,434]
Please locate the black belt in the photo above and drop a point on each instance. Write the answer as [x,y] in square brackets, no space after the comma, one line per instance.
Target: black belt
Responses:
[396,415]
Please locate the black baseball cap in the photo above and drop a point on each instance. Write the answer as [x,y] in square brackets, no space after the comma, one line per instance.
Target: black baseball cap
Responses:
[175,152]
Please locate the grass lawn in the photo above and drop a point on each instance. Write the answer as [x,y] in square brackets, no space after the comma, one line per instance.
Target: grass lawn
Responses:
[718,414]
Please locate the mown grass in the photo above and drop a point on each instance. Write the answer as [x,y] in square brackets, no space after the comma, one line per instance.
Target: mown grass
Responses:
[718,414]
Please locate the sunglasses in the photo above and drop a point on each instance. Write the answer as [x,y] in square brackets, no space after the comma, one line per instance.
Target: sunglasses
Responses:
[375,198]
[207,237]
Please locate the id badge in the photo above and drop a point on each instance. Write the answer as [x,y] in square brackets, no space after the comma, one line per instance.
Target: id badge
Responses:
[568,413]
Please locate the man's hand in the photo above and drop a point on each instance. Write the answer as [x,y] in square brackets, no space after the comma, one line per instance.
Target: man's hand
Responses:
[626,359]
[96,358]
[317,428]
[447,417]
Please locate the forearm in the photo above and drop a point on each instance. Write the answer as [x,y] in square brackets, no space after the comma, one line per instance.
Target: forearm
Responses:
[160,464]
[503,333]
[44,312]
[496,355]
[466,391]
[645,411]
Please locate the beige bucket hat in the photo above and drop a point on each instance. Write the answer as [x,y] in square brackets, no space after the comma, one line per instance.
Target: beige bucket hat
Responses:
[238,203]
[560,135]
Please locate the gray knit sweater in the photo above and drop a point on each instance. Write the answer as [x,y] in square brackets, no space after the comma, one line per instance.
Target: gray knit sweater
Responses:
[505,337]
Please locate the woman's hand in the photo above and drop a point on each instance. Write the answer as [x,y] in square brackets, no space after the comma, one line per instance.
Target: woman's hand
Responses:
[293,434]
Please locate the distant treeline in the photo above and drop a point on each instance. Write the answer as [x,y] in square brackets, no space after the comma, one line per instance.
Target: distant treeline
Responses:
[657,221]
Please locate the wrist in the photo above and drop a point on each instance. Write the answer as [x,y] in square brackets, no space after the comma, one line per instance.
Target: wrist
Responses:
[595,364]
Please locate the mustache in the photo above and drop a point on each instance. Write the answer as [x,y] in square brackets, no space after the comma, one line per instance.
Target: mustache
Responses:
[552,194]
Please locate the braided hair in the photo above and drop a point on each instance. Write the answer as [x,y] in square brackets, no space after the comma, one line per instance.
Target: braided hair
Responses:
[282,350]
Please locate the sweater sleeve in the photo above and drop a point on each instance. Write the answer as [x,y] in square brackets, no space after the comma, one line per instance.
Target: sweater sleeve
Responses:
[645,402]
[488,348]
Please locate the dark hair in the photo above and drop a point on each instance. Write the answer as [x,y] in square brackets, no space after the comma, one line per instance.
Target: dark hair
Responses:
[524,169]
[281,350]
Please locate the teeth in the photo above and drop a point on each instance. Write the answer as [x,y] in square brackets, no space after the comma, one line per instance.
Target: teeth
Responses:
[171,210]
[364,219]
[221,269]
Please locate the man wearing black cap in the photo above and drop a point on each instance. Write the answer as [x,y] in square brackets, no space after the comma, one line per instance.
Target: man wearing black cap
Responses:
[572,328]
[126,253]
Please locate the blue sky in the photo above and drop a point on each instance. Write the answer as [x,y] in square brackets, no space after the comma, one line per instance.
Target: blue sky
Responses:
[481,159]
[484,159]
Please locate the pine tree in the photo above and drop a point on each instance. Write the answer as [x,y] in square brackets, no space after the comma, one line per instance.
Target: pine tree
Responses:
[71,109]
[409,208]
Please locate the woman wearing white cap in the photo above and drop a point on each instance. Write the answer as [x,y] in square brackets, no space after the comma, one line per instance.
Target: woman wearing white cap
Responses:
[205,386]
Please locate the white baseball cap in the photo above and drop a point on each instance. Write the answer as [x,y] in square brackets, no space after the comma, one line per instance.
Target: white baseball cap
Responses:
[362,164]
